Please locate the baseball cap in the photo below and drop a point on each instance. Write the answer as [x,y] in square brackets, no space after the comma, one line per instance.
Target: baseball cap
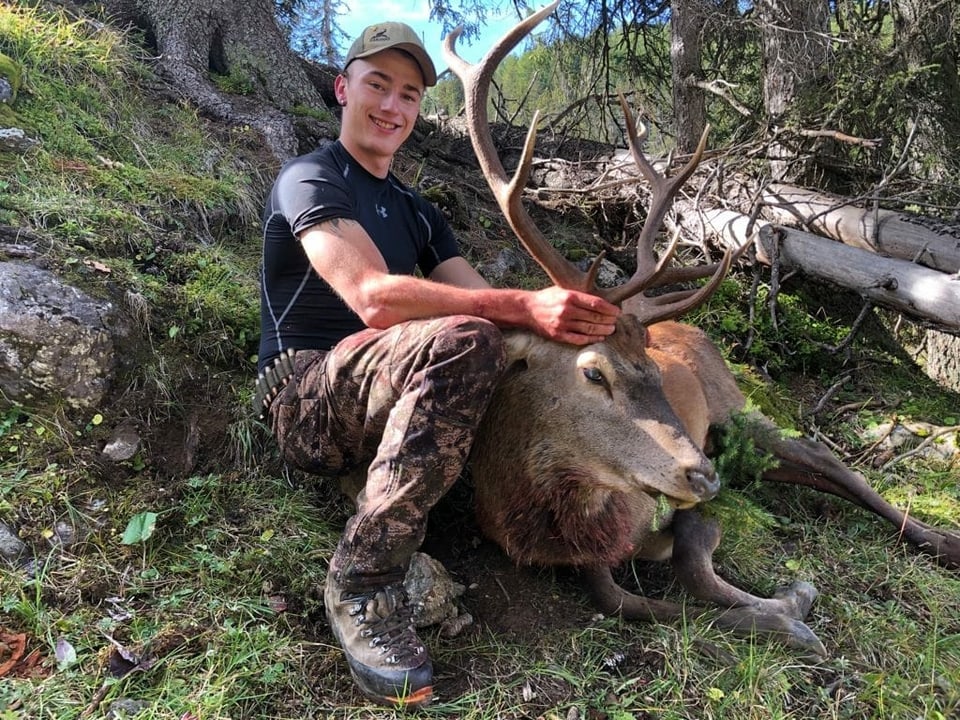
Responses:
[393,35]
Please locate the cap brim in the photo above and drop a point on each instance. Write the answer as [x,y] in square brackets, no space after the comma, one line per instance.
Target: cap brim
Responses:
[427,69]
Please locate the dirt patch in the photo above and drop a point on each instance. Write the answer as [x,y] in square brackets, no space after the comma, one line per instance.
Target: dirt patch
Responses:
[516,601]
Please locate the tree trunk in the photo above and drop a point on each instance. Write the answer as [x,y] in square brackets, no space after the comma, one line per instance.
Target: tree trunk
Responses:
[689,106]
[896,284]
[922,240]
[943,358]
[239,40]
[795,49]
[926,35]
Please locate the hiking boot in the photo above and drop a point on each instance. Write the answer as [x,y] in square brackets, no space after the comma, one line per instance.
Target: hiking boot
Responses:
[375,629]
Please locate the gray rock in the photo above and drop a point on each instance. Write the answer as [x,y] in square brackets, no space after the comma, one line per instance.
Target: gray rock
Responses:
[64,534]
[124,443]
[432,590]
[609,275]
[508,262]
[56,343]
[16,140]
[124,708]
[12,548]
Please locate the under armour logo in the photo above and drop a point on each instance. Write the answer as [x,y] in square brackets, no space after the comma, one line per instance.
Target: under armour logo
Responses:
[381,211]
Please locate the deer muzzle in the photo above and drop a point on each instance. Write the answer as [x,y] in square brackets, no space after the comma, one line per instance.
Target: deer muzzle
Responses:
[705,485]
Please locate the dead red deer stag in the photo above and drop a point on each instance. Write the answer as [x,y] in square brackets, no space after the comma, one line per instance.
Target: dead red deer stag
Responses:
[592,456]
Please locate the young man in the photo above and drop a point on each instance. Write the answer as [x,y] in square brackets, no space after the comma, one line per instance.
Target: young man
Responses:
[364,365]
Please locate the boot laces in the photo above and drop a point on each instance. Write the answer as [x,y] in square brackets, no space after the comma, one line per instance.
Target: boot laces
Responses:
[385,618]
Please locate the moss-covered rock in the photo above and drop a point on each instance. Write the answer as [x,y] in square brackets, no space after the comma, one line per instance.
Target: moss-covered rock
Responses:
[10,77]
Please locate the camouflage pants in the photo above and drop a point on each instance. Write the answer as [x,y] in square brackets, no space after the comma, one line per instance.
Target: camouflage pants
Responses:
[405,403]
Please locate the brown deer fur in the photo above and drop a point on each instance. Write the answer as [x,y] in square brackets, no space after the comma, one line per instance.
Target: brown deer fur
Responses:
[593,456]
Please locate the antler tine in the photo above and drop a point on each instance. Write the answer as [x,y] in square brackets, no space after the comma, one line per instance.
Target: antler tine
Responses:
[650,272]
[695,272]
[663,190]
[673,304]
[650,310]
[476,81]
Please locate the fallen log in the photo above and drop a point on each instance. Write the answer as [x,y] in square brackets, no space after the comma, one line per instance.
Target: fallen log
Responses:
[890,282]
[925,241]
[901,285]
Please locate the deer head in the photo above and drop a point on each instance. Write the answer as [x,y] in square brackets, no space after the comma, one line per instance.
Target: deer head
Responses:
[581,454]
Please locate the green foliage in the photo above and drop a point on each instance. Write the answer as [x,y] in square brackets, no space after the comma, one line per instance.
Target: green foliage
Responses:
[446,96]
[549,76]
[235,83]
[573,78]
[889,79]
[9,72]
[49,44]
[140,528]
[125,190]
[789,338]
[736,454]
[221,310]
[322,114]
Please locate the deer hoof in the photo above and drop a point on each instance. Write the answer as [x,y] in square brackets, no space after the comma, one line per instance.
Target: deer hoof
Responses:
[798,635]
[777,626]
[800,596]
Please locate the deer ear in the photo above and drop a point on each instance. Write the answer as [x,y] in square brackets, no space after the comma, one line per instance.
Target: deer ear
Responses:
[631,330]
[519,345]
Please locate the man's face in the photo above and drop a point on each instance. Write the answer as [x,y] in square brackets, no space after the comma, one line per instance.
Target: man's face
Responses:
[381,95]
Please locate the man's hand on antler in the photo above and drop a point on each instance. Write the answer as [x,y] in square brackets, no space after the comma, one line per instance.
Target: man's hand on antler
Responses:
[571,316]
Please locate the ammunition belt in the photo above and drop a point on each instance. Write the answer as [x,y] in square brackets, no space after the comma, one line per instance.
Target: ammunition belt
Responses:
[271,381]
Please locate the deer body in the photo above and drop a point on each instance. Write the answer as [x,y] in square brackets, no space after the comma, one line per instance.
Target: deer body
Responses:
[573,472]
[592,456]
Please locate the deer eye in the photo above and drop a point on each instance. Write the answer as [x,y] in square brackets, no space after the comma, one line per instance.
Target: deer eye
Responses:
[593,375]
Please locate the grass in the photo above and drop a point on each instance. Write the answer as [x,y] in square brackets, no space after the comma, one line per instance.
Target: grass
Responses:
[220,609]
[217,612]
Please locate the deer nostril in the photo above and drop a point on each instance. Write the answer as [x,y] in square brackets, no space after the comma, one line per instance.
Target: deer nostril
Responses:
[704,485]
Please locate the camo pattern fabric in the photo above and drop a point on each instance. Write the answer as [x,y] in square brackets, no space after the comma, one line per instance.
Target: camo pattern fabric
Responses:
[405,403]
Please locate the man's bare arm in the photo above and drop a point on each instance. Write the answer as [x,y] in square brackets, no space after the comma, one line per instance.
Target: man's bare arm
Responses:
[344,255]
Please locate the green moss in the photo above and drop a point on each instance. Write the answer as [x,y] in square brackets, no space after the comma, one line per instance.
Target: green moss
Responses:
[322,114]
[8,118]
[11,72]
[234,83]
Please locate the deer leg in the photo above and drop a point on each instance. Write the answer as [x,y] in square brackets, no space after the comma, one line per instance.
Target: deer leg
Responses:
[694,540]
[611,599]
[809,463]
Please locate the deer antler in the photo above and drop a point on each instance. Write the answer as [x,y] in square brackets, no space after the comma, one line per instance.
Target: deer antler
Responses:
[508,192]
[650,272]
[476,86]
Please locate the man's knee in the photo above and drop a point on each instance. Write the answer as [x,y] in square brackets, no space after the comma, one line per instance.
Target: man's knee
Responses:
[475,343]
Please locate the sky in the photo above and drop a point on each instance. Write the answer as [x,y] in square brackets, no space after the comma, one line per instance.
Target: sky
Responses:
[416,14]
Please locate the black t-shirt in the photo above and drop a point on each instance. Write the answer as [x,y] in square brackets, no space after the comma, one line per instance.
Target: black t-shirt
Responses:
[298,309]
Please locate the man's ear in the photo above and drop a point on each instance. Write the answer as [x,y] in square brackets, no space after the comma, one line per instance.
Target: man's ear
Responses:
[340,89]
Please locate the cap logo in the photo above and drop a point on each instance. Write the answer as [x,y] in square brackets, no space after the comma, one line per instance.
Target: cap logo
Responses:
[384,35]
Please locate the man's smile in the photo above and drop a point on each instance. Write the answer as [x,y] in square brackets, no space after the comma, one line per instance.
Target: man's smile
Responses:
[384,124]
